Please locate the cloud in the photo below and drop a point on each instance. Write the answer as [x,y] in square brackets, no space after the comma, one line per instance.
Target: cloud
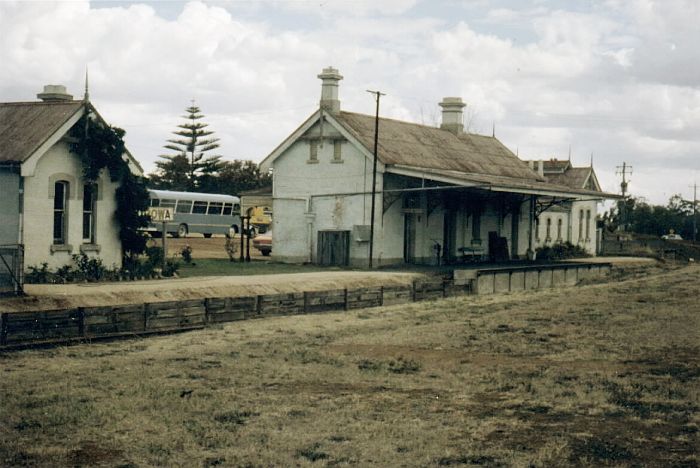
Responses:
[619,79]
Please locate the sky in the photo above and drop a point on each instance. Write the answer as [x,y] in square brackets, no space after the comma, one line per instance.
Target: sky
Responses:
[612,81]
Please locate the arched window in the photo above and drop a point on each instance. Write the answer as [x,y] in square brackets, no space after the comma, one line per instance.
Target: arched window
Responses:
[548,237]
[559,225]
[89,204]
[60,215]
[537,229]
[588,225]
[580,225]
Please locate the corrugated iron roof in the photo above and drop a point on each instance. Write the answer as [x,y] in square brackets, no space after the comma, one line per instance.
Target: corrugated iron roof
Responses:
[409,144]
[574,177]
[25,126]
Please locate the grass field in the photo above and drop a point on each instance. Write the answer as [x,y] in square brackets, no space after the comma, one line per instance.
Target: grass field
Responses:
[224,267]
[598,375]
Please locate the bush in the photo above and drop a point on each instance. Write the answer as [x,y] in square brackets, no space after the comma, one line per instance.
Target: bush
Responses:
[186,253]
[88,269]
[561,251]
[38,275]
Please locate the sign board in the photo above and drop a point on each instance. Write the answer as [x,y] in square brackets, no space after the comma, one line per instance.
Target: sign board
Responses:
[160,215]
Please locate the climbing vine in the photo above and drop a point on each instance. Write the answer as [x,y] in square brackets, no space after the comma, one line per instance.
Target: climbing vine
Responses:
[101,146]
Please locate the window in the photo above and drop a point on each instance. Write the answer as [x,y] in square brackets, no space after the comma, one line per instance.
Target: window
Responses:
[313,151]
[548,236]
[537,229]
[89,203]
[559,225]
[580,225]
[59,211]
[227,209]
[184,206]
[588,225]
[337,151]
[155,201]
[200,207]
[168,203]
[476,226]
[215,208]
[236,208]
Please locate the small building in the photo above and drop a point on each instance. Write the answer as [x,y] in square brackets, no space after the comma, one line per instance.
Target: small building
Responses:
[571,220]
[257,204]
[441,194]
[45,205]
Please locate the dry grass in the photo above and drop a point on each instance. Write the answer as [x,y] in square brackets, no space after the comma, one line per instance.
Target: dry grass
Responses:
[600,375]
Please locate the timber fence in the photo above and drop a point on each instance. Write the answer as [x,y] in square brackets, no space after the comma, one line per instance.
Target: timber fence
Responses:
[26,329]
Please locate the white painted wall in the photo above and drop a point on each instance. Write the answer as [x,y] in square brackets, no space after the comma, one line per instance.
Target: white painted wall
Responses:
[306,200]
[571,220]
[38,212]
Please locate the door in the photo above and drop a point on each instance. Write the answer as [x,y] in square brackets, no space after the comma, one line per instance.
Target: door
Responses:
[449,236]
[333,248]
[409,237]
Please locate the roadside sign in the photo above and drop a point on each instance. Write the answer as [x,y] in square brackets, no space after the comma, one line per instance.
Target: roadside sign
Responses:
[160,214]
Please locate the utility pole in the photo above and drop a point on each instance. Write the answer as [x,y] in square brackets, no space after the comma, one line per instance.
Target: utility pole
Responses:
[695,211]
[377,95]
[623,170]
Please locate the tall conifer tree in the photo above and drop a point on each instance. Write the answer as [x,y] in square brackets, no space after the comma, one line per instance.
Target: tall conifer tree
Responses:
[184,169]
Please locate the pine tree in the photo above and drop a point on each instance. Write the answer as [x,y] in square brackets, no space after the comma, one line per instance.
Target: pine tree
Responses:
[185,169]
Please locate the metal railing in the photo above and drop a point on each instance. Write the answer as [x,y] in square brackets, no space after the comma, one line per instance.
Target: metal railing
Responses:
[12,269]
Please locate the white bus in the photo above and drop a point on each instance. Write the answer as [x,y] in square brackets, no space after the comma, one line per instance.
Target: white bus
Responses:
[203,213]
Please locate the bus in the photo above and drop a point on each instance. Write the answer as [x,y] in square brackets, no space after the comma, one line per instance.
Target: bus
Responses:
[203,213]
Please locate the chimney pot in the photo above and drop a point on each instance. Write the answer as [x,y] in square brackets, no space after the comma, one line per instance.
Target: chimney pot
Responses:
[452,115]
[329,90]
[55,93]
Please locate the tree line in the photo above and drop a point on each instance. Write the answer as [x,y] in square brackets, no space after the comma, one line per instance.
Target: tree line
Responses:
[636,215]
[190,165]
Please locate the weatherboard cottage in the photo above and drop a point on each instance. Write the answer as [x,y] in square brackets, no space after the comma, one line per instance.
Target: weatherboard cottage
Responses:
[442,194]
[45,205]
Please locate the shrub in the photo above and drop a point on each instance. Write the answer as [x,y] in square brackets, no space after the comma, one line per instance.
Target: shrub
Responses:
[88,269]
[38,275]
[561,251]
[186,253]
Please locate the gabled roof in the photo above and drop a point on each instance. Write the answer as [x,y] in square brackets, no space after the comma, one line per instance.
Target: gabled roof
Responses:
[25,126]
[562,172]
[409,144]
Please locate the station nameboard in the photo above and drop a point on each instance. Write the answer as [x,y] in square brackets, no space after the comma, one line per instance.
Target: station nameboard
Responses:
[160,214]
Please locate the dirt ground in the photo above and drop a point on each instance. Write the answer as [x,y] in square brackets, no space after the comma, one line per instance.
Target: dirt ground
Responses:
[604,375]
[205,248]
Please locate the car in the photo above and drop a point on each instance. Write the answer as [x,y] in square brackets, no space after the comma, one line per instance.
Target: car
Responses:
[263,242]
[671,237]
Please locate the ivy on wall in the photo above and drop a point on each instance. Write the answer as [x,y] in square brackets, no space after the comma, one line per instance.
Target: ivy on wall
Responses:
[101,146]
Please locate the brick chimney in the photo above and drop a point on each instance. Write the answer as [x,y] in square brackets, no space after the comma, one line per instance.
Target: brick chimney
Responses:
[329,90]
[55,93]
[452,115]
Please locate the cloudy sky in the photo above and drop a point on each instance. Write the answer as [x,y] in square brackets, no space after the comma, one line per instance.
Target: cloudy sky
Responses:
[616,79]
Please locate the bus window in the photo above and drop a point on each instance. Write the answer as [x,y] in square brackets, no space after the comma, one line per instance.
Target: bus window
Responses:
[168,203]
[155,201]
[227,209]
[236,208]
[215,208]
[184,206]
[200,207]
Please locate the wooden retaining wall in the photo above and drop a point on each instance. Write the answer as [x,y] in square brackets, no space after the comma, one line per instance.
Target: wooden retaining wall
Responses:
[89,323]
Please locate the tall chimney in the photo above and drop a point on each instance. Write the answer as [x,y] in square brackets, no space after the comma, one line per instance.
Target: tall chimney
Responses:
[452,115]
[329,90]
[55,93]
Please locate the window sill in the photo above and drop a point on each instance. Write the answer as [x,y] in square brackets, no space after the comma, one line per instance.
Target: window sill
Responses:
[312,161]
[90,248]
[61,248]
[337,161]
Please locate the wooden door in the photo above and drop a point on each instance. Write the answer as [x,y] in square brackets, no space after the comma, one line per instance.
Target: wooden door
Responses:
[333,248]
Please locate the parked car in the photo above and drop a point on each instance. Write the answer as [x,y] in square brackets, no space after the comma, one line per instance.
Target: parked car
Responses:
[671,237]
[263,242]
